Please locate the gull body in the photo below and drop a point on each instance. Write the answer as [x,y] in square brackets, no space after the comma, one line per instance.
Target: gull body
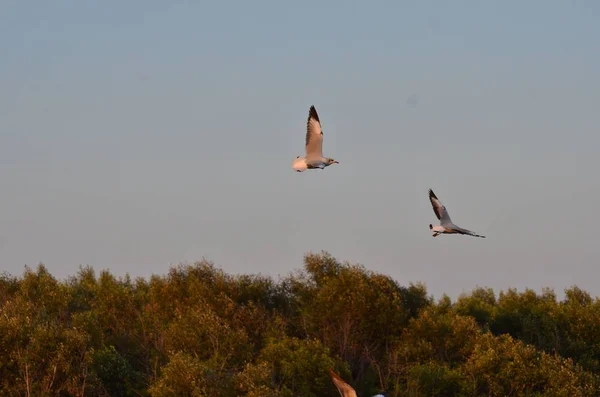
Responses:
[313,146]
[345,389]
[446,225]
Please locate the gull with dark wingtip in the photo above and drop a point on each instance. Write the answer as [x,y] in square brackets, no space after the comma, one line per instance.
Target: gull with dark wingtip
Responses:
[314,146]
[446,226]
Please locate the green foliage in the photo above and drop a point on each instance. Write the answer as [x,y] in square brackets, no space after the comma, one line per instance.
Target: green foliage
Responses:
[198,331]
[187,375]
[501,366]
[290,367]
[113,371]
[355,312]
[479,305]
[433,379]
[42,354]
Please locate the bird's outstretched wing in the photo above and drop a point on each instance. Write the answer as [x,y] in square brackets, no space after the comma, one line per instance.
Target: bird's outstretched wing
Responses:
[314,135]
[345,389]
[439,209]
[460,230]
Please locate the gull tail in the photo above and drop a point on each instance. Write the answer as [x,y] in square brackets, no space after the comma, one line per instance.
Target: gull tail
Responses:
[299,164]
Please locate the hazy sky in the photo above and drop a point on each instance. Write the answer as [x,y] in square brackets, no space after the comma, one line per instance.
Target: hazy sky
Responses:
[135,135]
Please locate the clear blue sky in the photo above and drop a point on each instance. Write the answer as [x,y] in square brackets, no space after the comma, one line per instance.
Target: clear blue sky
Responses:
[135,135]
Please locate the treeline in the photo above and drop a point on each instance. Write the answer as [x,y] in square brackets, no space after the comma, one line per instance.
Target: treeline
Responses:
[200,332]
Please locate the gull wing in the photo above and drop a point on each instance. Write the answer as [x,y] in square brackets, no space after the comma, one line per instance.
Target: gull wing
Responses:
[439,209]
[345,389]
[314,136]
[460,230]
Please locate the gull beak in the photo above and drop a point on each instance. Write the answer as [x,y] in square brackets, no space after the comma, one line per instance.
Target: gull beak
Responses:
[336,162]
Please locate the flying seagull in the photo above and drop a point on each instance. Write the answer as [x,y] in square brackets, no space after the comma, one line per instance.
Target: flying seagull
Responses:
[345,389]
[446,226]
[314,146]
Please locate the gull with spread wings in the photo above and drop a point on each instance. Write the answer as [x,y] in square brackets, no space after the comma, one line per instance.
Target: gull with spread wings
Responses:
[345,389]
[446,226]
[314,146]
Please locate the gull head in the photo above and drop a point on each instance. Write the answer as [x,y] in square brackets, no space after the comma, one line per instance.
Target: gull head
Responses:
[430,226]
[332,161]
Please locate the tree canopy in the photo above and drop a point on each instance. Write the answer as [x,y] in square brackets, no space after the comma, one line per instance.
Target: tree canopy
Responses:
[198,331]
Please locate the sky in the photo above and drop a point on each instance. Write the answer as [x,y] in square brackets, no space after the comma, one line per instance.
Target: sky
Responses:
[138,135]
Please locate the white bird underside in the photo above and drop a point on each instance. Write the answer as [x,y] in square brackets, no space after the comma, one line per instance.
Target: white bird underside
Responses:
[300,164]
[446,225]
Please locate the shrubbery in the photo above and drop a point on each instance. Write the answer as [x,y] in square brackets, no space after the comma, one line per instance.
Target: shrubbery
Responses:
[200,332]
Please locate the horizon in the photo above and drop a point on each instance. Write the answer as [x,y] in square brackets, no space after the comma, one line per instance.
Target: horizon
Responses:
[278,278]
